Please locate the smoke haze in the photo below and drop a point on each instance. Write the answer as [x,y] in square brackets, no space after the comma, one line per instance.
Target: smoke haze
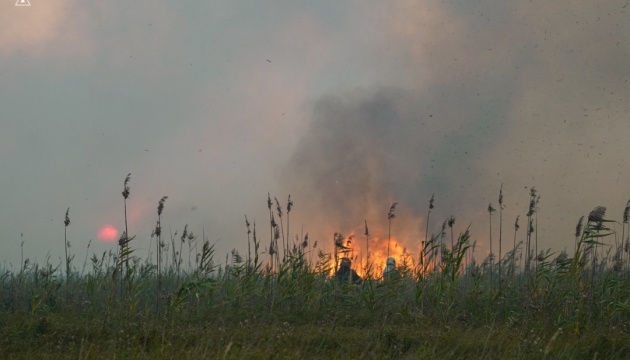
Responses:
[349,107]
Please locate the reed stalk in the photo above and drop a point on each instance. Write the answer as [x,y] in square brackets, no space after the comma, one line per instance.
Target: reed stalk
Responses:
[500,230]
[249,254]
[66,222]
[491,257]
[516,227]
[158,234]
[390,216]
[367,246]
[289,207]
[125,194]
[284,244]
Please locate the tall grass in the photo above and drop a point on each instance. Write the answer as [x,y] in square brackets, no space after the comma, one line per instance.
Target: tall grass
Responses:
[568,306]
[516,227]
[390,216]
[66,222]
[500,231]
[491,256]
[159,246]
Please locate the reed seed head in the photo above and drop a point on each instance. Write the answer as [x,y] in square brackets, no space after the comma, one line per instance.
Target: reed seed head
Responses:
[125,192]
[184,234]
[578,227]
[597,214]
[390,214]
[161,205]
[278,208]
[532,201]
[289,204]
[67,220]
[490,208]
[247,225]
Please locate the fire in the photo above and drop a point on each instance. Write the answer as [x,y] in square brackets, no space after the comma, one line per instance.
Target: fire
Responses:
[370,253]
[400,237]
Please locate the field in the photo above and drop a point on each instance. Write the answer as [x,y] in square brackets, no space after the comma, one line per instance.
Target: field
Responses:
[183,302]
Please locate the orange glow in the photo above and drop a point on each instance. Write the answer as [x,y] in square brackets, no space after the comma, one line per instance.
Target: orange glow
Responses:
[108,233]
[358,245]
[406,233]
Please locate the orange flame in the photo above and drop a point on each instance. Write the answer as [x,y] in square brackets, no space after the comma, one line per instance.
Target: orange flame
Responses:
[369,254]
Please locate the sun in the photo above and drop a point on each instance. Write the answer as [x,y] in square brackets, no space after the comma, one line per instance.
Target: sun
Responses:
[108,233]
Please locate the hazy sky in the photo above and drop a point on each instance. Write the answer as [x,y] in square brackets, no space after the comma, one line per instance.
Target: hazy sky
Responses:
[348,106]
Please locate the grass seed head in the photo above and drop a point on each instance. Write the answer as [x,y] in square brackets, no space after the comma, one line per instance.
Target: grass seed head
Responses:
[161,205]
[597,214]
[390,214]
[532,201]
[289,204]
[125,192]
[184,234]
[67,220]
[278,207]
[578,227]
[305,242]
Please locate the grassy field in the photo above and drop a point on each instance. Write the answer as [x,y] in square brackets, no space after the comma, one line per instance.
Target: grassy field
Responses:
[184,303]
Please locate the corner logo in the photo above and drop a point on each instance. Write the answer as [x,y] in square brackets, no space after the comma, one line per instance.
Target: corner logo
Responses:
[22,3]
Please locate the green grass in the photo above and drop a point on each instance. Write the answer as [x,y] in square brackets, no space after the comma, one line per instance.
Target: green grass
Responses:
[562,307]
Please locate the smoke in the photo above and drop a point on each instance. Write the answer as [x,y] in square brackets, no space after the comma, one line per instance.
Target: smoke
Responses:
[521,97]
[369,148]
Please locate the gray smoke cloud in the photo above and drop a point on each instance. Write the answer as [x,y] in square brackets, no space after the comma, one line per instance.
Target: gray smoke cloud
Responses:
[370,148]
[527,97]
